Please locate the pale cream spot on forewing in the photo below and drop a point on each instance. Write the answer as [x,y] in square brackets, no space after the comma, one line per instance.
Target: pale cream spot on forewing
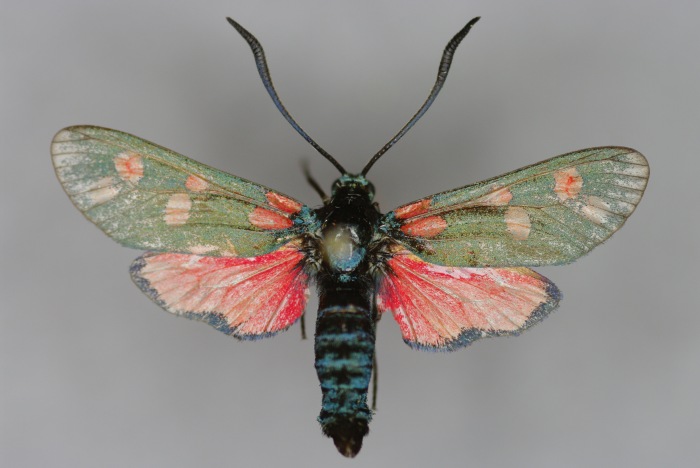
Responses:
[498,197]
[129,166]
[177,210]
[518,222]
[99,192]
[200,249]
[567,183]
[596,210]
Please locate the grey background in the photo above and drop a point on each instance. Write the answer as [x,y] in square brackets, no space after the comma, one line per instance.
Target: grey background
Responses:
[93,374]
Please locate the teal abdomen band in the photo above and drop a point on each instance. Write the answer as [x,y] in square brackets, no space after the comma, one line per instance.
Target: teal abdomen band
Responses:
[344,345]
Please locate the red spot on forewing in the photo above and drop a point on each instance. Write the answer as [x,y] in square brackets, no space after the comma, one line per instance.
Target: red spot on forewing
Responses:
[254,295]
[129,166]
[434,304]
[567,183]
[196,184]
[283,203]
[266,219]
[425,227]
[414,209]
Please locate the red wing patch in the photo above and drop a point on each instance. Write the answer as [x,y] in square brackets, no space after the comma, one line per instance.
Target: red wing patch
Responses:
[245,297]
[445,308]
[567,183]
[425,227]
[266,219]
[283,203]
[413,209]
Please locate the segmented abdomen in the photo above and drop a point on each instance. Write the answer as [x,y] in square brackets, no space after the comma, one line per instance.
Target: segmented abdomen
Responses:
[345,335]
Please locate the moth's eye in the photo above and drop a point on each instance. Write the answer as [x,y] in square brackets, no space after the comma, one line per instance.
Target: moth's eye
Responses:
[336,185]
[370,190]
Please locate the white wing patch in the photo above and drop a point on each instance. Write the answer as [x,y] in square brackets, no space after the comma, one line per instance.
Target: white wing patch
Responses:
[177,210]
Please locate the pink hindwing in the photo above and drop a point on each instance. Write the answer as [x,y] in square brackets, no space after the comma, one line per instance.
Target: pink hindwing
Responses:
[439,307]
[245,297]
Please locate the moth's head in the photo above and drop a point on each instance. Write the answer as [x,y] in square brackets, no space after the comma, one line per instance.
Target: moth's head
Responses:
[351,184]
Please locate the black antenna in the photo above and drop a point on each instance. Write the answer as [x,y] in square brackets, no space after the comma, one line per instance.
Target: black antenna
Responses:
[444,67]
[264,72]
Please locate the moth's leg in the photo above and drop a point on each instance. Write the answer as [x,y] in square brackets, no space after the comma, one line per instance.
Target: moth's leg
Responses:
[310,179]
[375,379]
[303,325]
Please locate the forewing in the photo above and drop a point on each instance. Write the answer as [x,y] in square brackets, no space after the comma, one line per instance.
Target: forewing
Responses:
[246,297]
[147,197]
[548,213]
[445,308]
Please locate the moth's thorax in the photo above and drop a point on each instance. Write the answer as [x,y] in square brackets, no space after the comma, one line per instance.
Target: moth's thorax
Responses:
[349,220]
[342,247]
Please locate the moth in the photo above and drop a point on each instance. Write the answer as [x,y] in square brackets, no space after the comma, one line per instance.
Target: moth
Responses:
[451,268]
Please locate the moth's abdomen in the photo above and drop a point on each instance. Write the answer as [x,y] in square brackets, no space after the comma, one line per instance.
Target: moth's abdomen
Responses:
[345,335]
